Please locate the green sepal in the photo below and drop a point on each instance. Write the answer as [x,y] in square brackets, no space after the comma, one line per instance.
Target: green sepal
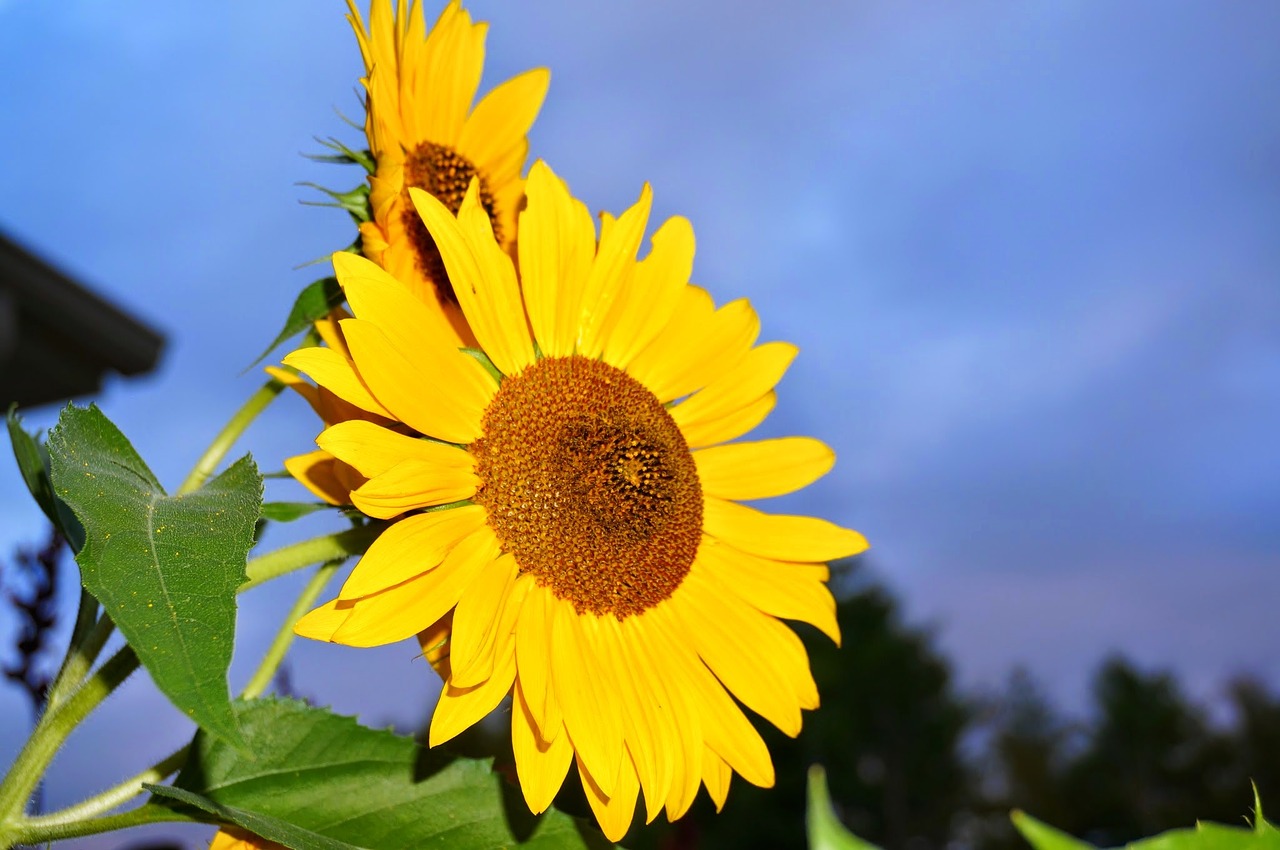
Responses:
[354,201]
[343,155]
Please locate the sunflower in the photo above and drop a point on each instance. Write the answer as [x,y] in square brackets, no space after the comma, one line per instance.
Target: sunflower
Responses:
[567,492]
[423,133]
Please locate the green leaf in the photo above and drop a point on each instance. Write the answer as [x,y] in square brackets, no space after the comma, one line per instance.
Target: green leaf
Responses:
[166,568]
[289,511]
[33,463]
[314,302]
[331,777]
[826,832]
[1044,837]
[1203,836]
[270,828]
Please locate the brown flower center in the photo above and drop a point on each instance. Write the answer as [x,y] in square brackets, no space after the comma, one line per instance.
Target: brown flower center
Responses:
[590,484]
[444,173]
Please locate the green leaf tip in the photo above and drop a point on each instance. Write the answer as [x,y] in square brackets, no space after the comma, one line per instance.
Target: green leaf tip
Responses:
[1041,836]
[165,568]
[313,303]
[825,830]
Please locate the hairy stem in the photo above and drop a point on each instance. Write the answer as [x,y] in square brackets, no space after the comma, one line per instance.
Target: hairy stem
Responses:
[100,804]
[52,730]
[43,830]
[82,651]
[331,547]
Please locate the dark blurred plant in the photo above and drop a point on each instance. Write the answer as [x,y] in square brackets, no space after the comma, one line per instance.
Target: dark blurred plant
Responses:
[31,589]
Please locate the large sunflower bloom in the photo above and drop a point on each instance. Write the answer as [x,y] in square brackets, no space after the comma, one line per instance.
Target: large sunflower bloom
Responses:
[423,133]
[569,494]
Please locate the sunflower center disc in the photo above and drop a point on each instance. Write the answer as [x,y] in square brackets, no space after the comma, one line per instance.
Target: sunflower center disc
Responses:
[442,172]
[590,484]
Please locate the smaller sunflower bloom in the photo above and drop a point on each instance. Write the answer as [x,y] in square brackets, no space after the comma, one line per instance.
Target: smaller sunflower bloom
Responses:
[569,493]
[424,134]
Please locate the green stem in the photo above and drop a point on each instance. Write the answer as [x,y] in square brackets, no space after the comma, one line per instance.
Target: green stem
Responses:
[117,795]
[230,432]
[331,547]
[80,652]
[41,831]
[275,654]
[52,730]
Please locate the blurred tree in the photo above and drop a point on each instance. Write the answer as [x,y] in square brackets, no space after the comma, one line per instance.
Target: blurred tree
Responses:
[1256,741]
[1151,762]
[1024,755]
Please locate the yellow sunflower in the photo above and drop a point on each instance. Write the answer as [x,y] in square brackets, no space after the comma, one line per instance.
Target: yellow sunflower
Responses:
[568,493]
[423,133]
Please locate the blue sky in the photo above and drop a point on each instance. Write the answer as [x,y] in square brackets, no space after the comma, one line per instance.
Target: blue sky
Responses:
[1029,253]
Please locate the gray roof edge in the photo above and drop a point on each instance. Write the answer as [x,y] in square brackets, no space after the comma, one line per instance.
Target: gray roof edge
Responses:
[122,342]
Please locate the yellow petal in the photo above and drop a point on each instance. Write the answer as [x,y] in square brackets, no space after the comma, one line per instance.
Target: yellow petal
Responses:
[724,727]
[406,609]
[315,471]
[540,764]
[753,376]
[533,657]
[648,723]
[615,811]
[645,306]
[502,118]
[434,640]
[731,425]
[442,397]
[413,484]
[777,536]
[760,470]
[379,297]
[447,76]
[337,374]
[461,708]
[591,715]
[716,773]
[409,548]
[756,657]
[476,622]
[322,622]
[464,707]
[556,247]
[787,590]
[482,275]
[374,450]
[697,346]
[611,274]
